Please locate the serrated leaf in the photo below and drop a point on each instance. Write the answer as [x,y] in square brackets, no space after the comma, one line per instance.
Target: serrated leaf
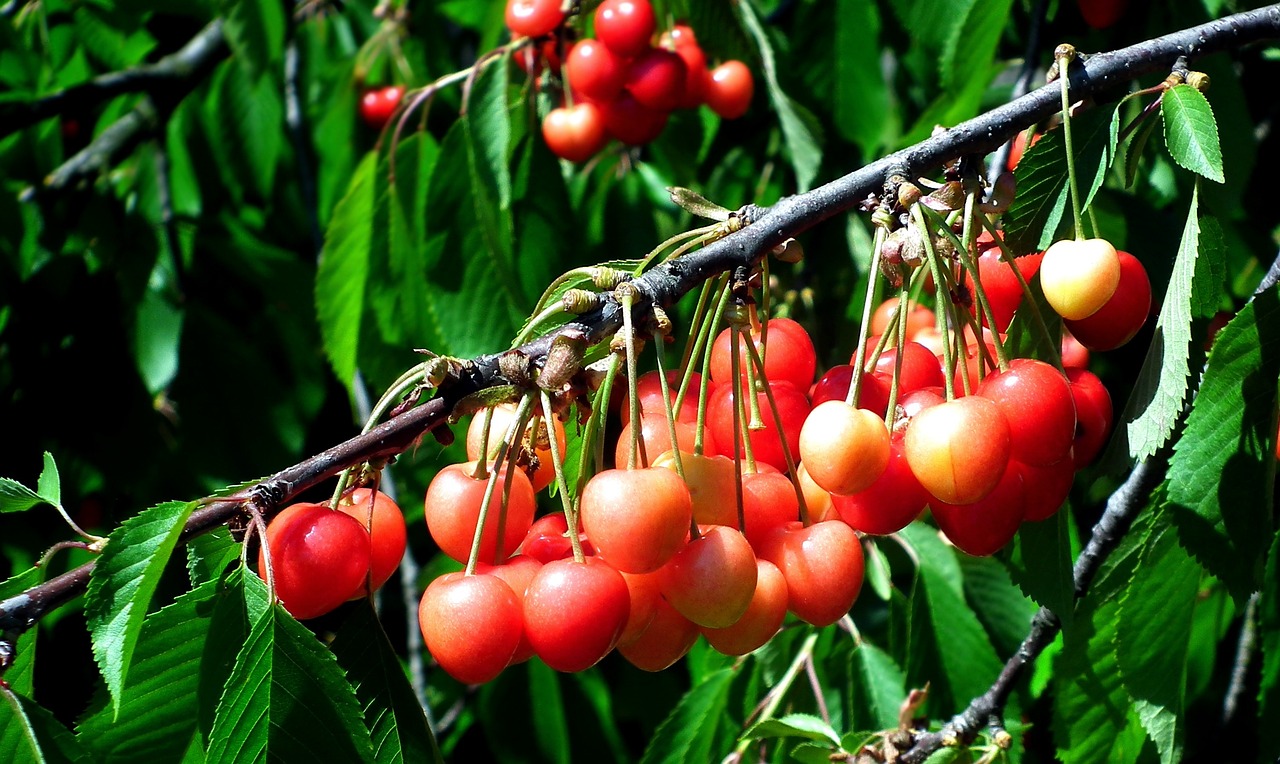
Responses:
[209,554]
[1089,710]
[235,609]
[120,587]
[800,129]
[1032,221]
[255,33]
[1004,611]
[1153,634]
[247,118]
[49,486]
[165,665]
[1040,563]
[21,673]
[1191,133]
[688,731]
[1211,270]
[877,688]
[16,497]
[397,725]
[1223,466]
[344,271]
[1269,642]
[793,725]
[287,699]
[1161,387]
[1133,152]
[29,733]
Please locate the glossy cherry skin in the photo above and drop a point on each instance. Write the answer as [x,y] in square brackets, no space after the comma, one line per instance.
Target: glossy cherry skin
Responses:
[918,317]
[377,106]
[844,448]
[533,18]
[637,519]
[574,612]
[1074,354]
[655,437]
[890,503]
[594,71]
[517,572]
[1001,285]
[1093,415]
[958,450]
[632,122]
[575,133]
[452,511]
[768,502]
[626,26]
[762,618]
[656,78]
[729,89]
[711,580]
[1036,401]
[649,391]
[387,535]
[711,486]
[1078,277]
[873,396]
[667,639]
[823,567]
[1044,489]
[920,367]
[319,558]
[696,75]
[1123,315]
[985,526]
[471,625]
[548,539]
[766,443]
[645,590]
[788,357]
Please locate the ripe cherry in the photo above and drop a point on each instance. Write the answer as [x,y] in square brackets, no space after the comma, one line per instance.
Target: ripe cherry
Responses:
[768,502]
[649,391]
[789,356]
[645,590]
[711,486]
[681,39]
[711,580]
[817,501]
[920,368]
[471,625]
[319,558]
[625,25]
[575,611]
[762,619]
[1001,285]
[958,450]
[540,443]
[533,18]
[1074,355]
[890,503]
[594,71]
[1036,401]
[655,436]
[1079,276]
[823,567]
[1101,14]
[1123,315]
[517,572]
[656,79]
[985,526]
[1044,488]
[384,521]
[729,89]
[632,122]
[1093,415]
[918,317]
[844,448]
[452,509]
[666,640]
[377,105]
[766,443]
[548,539]
[636,519]
[873,396]
[575,133]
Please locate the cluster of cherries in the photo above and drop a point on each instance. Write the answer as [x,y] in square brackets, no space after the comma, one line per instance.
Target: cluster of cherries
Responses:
[622,85]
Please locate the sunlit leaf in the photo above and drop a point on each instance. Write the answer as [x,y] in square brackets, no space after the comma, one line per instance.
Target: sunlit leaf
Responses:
[344,270]
[1191,133]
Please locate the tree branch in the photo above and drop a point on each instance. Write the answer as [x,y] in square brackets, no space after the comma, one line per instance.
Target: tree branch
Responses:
[667,283]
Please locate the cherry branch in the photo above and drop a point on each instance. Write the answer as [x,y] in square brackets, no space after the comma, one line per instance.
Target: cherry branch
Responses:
[1096,77]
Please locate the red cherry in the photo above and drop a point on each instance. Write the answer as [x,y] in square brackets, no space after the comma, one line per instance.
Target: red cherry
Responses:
[637,519]
[575,611]
[626,26]
[918,317]
[655,435]
[1123,315]
[696,77]
[452,510]
[1019,147]
[1101,14]
[816,500]
[1044,488]
[729,89]
[958,450]
[1078,277]
[575,133]
[656,79]
[916,401]
[1093,415]
[711,485]
[844,448]
[548,539]
[873,397]
[471,625]
[983,527]
[645,590]
[1001,285]
[711,580]
[594,71]
[890,503]
[762,619]
[632,122]
[517,572]
[377,106]
[384,521]
[822,565]
[649,391]
[1036,401]
[920,367]
[533,18]
[319,558]
[668,638]
[768,502]
[1074,355]
[788,357]
[766,444]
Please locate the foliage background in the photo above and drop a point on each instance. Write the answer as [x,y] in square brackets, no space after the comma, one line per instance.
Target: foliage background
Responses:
[194,316]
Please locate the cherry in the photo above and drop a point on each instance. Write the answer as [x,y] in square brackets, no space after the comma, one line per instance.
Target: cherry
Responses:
[384,521]
[625,25]
[958,450]
[632,122]
[762,618]
[711,485]
[816,500]
[575,611]
[1101,14]
[499,423]
[916,401]
[533,18]
[575,133]
[1079,276]
[1044,488]
[667,639]
[1074,355]
[766,444]
[918,317]
[656,438]
[649,391]
[656,79]
[768,502]
[1093,415]
[823,567]
[789,357]
[517,572]
[319,558]
[873,397]
[890,503]
[637,519]
[729,89]
[1036,401]
[1123,315]
[1019,147]
[377,105]
[1001,285]
[452,510]
[696,78]
[983,527]
[711,579]
[843,448]
[594,71]
[645,590]
[920,368]
[548,539]
[471,625]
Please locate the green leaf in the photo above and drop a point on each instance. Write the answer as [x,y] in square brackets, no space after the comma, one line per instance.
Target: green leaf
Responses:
[1040,563]
[241,600]
[877,688]
[255,32]
[120,587]
[157,337]
[1161,387]
[287,699]
[1223,466]
[597,693]
[1211,270]
[1153,635]
[209,554]
[49,486]
[344,270]
[29,733]
[21,673]
[1001,607]
[550,725]
[863,112]
[687,733]
[800,129]
[793,725]
[1191,133]
[879,574]
[397,724]
[1269,639]
[16,497]
[165,665]
[246,117]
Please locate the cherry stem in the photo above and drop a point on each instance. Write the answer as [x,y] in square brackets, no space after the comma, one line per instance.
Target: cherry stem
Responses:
[944,299]
[695,332]
[481,470]
[779,690]
[701,350]
[660,351]
[860,355]
[557,463]
[1054,349]
[739,414]
[700,233]
[754,382]
[406,382]
[1063,63]
[260,528]
[513,431]
[593,439]
[633,400]
[782,440]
